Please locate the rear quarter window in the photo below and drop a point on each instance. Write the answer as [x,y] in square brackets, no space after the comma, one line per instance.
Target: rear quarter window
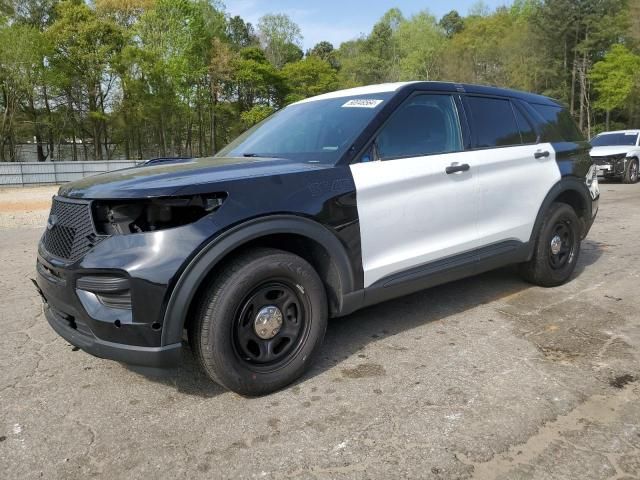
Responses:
[558,126]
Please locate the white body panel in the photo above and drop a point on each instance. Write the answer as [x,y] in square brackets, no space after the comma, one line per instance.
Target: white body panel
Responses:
[513,185]
[412,213]
[367,90]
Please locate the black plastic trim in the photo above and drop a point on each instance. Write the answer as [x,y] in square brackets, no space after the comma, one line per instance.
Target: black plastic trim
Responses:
[217,250]
[102,284]
[159,357]
[438,272]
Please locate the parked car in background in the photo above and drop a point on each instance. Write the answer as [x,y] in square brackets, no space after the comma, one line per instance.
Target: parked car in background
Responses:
[616,154]
[334,203]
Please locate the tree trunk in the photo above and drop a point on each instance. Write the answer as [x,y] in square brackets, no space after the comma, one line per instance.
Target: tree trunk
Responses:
[608,118]
[49,121]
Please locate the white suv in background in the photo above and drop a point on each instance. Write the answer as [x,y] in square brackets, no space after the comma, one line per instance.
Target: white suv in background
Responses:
[616,154]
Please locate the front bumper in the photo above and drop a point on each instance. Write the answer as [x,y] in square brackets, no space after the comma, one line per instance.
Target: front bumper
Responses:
[67,328]
[67,317]
[609,167]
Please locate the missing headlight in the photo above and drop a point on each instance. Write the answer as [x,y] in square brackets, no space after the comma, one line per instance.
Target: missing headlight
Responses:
[136,216]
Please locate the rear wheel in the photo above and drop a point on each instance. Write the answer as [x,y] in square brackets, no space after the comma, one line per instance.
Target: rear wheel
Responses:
[631,173]
[557,248]
[261,322]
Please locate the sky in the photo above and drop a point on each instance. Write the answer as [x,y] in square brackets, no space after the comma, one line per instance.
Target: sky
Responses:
[341,20]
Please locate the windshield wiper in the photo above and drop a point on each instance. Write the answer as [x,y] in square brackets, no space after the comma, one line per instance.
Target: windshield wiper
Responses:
[251,155]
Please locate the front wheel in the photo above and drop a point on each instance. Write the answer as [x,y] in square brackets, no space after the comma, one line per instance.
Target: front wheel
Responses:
[557,248]
[261,322]
[631,173]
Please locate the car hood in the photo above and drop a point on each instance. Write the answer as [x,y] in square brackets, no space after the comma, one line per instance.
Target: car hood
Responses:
[176,178]
[610,150]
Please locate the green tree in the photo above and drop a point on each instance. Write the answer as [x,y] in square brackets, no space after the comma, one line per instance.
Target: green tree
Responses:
[421,43]
[281,38]
[309,77]
[452,23]
[614,79]
[84,48]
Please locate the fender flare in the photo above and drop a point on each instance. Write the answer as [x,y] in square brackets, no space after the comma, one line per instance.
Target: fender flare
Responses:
[565,184]
[218,248]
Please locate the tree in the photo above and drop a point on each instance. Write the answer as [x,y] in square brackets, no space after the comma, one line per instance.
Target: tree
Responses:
[614,79]
[240,33]
[420,43]
[22,49]
[309,77]
[279,36]
[452,23]
[84,48]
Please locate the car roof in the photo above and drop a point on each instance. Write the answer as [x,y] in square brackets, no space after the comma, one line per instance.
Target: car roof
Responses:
[438,86]
[619,131]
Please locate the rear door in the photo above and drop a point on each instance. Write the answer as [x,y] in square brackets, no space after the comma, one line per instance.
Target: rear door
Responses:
[514,171]
[417,190]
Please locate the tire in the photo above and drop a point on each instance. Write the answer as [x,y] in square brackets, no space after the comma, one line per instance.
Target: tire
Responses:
[631,172]
[226,334]
[546,268]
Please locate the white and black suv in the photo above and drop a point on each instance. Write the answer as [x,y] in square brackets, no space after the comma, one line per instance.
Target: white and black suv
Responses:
[332,204]
[616,154]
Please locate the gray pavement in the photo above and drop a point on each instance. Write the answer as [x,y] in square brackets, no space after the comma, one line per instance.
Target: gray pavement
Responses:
[487,377]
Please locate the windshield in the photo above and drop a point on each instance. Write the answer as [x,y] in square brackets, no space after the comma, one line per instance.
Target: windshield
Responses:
[319,131]
[614,139]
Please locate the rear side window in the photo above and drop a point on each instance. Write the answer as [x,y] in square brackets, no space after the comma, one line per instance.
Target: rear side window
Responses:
[559,126]
[494,122]
[424,125]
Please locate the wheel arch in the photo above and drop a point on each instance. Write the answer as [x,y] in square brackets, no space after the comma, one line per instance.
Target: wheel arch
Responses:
[572,191]
[299,235]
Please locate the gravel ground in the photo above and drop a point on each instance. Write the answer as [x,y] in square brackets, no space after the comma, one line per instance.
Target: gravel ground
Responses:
[483,378]
[22,207]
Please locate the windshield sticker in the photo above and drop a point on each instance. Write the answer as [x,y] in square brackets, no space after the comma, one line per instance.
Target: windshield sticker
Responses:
[362,103]
[631,133]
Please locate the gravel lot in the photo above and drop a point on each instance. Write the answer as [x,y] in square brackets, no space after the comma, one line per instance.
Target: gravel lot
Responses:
[483,378]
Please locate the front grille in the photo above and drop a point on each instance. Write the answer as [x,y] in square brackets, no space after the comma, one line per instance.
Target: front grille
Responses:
[70,232]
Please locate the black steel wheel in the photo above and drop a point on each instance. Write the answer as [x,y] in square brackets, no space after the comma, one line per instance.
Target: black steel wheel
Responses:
[561,245]
[261,322]
[557,248]
[270,324]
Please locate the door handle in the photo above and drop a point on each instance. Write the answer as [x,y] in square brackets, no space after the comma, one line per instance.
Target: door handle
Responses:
[540,154]
[454,168]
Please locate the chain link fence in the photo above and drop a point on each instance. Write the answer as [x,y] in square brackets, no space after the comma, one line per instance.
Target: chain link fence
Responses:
[20,174]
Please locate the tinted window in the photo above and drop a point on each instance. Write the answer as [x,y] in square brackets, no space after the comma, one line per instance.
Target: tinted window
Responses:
[614,139]
[313,131]
[424,125]
[494,123]
[559,124]
[527,131]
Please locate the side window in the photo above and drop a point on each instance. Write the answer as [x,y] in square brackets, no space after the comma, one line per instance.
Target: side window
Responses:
[424,125]
[559,125]
[493,122]
[527,131]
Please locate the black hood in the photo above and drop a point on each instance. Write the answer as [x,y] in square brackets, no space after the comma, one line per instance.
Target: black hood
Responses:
[177,178]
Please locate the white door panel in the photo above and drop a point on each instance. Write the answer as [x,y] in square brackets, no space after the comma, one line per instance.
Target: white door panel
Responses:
[411,212]
[512,187]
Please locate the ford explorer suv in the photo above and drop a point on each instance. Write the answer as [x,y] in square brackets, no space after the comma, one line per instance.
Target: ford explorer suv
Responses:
[330,205]
[616,154]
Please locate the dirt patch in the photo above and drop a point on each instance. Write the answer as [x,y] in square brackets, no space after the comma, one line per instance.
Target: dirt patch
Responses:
[364,370]
[621,380]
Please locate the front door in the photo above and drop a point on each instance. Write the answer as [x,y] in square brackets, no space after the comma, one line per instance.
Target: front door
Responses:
[418,196]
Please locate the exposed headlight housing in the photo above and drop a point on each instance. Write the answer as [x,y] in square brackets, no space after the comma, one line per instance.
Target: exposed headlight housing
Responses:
[122,217]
